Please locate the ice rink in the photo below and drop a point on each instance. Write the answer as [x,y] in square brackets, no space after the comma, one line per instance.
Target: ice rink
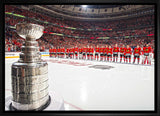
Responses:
[90,85]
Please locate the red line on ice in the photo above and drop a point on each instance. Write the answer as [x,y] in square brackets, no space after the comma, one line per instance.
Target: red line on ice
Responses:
[73,105]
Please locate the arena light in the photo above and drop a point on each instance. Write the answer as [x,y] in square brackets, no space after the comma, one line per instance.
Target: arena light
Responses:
[103,38]
[84,6]
[126,36]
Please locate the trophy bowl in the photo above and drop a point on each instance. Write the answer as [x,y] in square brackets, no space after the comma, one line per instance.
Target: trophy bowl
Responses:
[29,30]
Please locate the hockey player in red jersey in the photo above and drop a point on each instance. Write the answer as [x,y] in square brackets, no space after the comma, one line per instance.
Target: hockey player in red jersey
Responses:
[67,53]
[109,54]
[101,53]
[122,51]
[87,51]
[115,53]
[84,53]
[128,54]
[76,52]
[97,53]
[105,52]
[91,52]
[146,56]
[62,52]
[54,52]
[80,53]
[137,53]
[58,52]
[71,53]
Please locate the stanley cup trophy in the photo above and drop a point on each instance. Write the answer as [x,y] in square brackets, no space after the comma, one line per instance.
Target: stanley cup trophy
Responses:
[30,72]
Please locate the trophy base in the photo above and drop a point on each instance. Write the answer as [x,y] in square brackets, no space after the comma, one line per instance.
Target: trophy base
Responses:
[11,108]
[56,103]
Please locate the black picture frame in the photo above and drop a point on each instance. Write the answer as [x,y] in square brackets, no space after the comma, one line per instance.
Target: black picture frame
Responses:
[89,113]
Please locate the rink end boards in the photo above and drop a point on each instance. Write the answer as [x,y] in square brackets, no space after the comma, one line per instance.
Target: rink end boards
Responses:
[16,54]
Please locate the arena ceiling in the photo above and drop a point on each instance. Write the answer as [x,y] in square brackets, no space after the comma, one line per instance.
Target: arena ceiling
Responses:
[93,12]
[100,6]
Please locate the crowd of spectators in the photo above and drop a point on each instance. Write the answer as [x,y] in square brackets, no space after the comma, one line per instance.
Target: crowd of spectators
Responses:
[139,26]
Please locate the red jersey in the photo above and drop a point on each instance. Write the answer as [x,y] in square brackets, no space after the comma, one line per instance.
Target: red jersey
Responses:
[97,49]
[71,50]
[91,50]
[84,49]
[50,50]
[122,50]
[80,50]
[109,52]
[67,51]
[147,49]
[137,51]
[54,50]
[101,50]
[128,51]
[116,49]
[59,50]
[75,50]
[105,50]
[63,50]
[87,50]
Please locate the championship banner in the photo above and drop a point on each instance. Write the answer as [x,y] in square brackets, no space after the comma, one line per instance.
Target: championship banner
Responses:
[103,38]
[126,36]
[9,13]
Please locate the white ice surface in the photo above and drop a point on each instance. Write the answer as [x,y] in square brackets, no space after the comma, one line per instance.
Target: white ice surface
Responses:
[124,87]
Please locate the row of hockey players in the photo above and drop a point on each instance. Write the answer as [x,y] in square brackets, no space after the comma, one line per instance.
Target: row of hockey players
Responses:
[106,53]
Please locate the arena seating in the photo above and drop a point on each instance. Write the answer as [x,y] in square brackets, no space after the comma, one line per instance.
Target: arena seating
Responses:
[139,26]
